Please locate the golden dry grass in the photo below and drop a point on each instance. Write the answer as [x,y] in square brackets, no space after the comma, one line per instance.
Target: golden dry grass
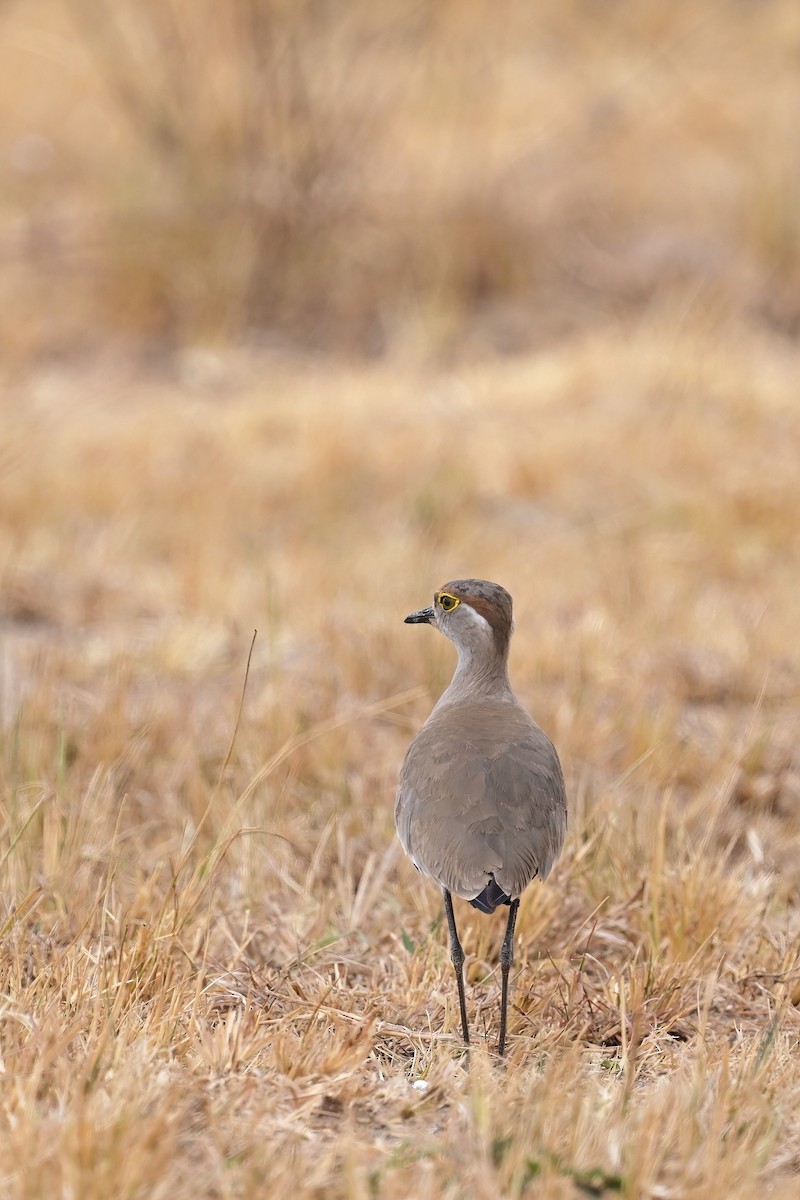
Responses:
[420,179]
[220,977]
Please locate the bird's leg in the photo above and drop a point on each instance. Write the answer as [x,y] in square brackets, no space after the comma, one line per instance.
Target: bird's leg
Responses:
[506,959]
[457,955]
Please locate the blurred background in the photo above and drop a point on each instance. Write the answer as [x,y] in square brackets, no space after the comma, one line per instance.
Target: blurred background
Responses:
[430,180]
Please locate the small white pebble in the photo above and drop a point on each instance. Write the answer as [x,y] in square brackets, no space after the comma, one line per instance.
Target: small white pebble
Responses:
[420,1085]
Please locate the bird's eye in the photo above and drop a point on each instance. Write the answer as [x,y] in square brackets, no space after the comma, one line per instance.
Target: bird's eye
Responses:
[448,602]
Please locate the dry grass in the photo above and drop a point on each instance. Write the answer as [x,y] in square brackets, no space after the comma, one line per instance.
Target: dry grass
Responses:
[219,975]
[383,177]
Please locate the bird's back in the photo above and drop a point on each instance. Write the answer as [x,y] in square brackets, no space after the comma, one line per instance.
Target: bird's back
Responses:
[481,793]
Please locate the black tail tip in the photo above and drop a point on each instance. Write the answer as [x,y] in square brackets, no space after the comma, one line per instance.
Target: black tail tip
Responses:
[491,896]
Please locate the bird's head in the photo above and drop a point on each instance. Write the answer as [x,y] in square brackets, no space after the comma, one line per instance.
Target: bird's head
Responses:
[473,613]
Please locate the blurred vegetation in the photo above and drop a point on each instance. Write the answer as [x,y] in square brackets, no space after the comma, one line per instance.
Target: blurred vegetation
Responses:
[373,178]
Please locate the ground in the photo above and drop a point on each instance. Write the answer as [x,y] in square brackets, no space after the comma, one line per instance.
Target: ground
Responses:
[306,308]
[219,973]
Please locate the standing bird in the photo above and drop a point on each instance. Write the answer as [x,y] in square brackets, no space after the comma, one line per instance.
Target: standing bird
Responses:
[481,806]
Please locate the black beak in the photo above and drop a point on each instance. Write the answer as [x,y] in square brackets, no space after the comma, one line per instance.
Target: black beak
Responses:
[423,617]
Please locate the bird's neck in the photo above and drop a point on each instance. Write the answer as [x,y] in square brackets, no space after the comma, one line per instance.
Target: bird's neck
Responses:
[480,675]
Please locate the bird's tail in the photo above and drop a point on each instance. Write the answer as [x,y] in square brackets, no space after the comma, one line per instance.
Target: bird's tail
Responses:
[492,895]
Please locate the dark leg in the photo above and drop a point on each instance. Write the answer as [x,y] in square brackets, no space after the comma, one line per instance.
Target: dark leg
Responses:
[457,955]
[506,959]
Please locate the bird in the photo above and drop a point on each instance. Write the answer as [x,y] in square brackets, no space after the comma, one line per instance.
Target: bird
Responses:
[481,804]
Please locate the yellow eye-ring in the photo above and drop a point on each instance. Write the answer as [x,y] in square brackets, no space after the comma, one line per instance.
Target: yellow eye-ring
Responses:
[447,602]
